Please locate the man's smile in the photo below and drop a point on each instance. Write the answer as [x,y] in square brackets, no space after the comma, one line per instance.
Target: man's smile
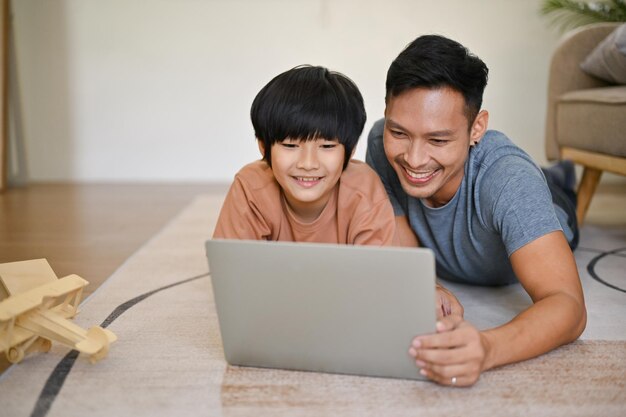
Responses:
[419,177]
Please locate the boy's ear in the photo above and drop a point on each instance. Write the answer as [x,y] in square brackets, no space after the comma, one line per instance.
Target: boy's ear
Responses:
[479,127]
[261,147]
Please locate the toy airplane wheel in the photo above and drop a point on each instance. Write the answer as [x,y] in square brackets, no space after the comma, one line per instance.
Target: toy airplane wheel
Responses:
[99,334]
[44,345]
[15,354]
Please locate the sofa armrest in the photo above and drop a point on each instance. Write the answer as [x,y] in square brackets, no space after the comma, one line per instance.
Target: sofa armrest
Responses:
[566,75]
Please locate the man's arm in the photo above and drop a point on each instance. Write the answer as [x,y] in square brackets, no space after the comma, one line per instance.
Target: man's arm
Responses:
[547,270]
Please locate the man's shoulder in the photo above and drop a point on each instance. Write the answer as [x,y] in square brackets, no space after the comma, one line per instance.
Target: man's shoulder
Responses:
[495,141]
[496,149]
[375,136]
[501,170]
[377,128]
[496,144]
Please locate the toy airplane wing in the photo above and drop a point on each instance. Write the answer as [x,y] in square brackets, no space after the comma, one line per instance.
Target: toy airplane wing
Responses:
[29,320]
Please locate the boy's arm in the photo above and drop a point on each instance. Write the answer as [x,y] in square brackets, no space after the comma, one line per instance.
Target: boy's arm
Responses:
[547,270]
[372,224]
[405,236]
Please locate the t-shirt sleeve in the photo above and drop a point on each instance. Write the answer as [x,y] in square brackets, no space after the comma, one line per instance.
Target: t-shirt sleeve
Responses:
[376,158]
[364,212]
[240,217]
[374,226]
[515,202]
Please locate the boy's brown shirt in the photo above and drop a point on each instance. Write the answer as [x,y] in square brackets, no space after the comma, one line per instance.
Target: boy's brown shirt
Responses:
[358,212]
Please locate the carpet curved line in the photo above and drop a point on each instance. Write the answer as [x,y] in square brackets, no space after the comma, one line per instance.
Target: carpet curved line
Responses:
[57,378]
[591,268]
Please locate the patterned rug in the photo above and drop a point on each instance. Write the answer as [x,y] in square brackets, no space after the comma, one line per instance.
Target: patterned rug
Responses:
[168,358]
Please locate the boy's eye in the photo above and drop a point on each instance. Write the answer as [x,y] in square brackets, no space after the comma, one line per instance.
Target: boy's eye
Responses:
[330,145]
[289,144]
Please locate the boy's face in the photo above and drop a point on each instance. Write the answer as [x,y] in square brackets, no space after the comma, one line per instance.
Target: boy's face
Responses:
[427,141]
[307,171]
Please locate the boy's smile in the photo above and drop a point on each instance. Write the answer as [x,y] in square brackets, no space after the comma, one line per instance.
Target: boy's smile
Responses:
[308,181]
[307,172]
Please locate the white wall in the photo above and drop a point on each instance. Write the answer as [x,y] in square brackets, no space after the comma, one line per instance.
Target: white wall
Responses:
[116,90]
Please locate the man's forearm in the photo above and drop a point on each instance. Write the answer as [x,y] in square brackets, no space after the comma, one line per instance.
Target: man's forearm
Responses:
[549,323]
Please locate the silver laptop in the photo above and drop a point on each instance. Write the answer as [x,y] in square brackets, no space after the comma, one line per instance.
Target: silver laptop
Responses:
[322,307]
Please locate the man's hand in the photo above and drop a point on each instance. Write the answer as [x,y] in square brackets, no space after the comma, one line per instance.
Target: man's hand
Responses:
[446,303]
[455,355]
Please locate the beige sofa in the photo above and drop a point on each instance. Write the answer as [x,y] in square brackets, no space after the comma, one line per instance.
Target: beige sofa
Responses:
[586,116]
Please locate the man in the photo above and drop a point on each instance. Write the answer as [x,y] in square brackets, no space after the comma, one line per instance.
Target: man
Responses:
[491,216]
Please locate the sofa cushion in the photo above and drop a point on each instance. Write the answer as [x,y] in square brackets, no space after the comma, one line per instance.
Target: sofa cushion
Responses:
[607,95]
[607,61]
[593,120]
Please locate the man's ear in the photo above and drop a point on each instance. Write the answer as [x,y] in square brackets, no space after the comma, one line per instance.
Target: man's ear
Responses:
[261,147]
[479,127]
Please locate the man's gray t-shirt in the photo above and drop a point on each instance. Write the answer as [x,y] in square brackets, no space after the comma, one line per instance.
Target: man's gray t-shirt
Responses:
[503,203]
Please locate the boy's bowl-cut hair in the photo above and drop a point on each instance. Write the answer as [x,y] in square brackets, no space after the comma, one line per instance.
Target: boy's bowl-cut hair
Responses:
[307,103]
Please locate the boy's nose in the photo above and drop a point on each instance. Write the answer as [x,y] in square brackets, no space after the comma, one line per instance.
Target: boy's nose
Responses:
[308,158]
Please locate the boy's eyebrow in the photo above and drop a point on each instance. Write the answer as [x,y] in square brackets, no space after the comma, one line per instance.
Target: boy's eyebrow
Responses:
[324,139]
[308,139]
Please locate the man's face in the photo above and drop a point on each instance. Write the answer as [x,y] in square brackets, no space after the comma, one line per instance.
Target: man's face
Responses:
[307,171]
[427,142]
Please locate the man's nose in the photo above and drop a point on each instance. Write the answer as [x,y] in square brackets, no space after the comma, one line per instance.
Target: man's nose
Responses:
[417,154]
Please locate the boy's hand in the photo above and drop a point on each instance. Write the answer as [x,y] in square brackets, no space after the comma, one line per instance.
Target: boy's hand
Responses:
[446,303]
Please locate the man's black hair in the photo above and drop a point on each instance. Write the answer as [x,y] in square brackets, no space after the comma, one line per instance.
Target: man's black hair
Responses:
[307,103]
[433,61]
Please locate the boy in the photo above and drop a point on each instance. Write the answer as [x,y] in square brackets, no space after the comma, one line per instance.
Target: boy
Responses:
[307,122]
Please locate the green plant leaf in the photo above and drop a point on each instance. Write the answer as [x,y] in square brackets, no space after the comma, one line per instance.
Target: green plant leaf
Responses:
[568,14]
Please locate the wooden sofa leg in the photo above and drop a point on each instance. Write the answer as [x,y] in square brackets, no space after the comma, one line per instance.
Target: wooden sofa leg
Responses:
[588,183]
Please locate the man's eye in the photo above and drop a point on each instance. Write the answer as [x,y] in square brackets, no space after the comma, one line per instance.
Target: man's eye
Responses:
[438,142]
[397,133]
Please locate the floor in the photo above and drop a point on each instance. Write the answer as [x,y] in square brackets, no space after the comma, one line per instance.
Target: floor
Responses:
[88,229]
[168,358]
[91,229]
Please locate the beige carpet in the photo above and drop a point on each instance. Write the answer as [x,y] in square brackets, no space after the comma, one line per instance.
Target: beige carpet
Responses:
[169,361]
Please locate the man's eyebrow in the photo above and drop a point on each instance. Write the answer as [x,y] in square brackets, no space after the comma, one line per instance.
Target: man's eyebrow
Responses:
[436,133]
[391,123]
[442,133]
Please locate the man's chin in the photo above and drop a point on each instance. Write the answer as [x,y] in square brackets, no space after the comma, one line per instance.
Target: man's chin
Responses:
[413,190]
[416,191]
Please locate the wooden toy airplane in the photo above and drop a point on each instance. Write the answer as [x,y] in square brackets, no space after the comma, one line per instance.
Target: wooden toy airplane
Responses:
[35,308]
